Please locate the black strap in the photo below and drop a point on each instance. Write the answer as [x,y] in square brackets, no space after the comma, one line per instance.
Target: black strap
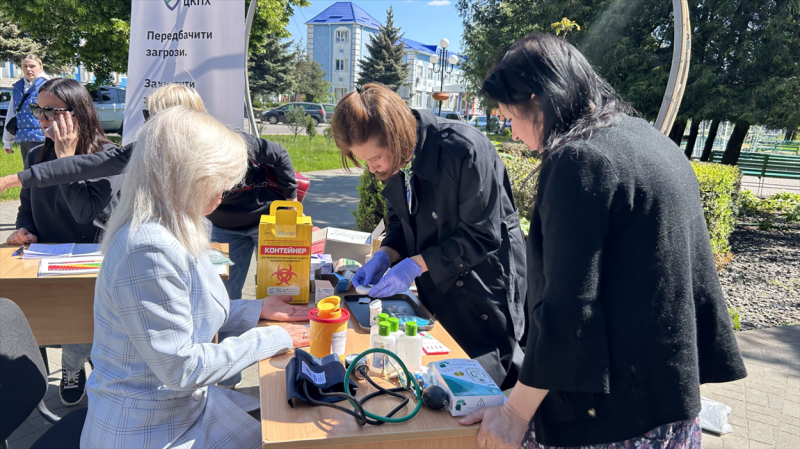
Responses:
[24,97]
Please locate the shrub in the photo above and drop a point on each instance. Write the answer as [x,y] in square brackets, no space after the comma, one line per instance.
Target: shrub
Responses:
[372,206]
[719,193]
[311,127]
[328,133]
[506,132]
[522,167]
[782,206]
[296,120]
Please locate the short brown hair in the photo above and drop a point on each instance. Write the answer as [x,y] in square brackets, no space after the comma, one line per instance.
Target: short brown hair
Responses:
[374,111]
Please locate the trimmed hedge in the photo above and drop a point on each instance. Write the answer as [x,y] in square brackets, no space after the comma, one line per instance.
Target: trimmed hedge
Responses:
[719,193]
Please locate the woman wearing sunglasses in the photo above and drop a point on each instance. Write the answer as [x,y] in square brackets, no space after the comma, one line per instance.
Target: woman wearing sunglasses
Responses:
[70,212]
[27,134]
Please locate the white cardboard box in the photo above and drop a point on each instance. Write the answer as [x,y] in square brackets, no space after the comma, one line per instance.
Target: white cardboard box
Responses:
[467,385]
[322,289]
[342,243]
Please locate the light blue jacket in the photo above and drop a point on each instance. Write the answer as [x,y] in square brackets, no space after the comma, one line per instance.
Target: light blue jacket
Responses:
[156,311]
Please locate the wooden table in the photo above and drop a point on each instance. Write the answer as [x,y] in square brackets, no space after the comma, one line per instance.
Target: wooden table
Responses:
[284,427]
[58,308]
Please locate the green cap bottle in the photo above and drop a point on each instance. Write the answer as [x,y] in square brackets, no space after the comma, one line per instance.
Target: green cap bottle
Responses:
[411,328]
[383,328]
[383,317]
[394,324]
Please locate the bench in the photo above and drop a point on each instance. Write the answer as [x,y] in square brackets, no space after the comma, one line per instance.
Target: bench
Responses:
[764,165]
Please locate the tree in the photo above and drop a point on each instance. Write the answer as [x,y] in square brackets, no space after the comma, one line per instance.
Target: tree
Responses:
[14,44]
[564,26]
[309,78]
[96,33]
[372,206]
[272,67]
[311,128]
[384,64]
[296,119]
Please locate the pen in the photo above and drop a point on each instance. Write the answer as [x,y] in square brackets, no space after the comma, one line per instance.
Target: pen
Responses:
[17,252]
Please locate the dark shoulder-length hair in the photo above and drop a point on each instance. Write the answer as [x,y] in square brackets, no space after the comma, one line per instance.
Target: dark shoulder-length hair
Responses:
[571,99]
[91,137]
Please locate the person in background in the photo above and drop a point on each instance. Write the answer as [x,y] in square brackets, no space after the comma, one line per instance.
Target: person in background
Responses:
[159,300]
[451,223]
[627,316]
[235,221]
[24,93]
[71,212]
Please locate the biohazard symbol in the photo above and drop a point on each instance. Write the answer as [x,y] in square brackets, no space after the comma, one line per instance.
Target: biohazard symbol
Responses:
[284,275]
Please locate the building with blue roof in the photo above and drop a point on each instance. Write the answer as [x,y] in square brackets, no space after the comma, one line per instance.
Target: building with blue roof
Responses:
[337,38]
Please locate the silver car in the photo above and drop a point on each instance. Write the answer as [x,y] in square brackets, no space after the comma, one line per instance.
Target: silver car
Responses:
[5,101]
[110,105]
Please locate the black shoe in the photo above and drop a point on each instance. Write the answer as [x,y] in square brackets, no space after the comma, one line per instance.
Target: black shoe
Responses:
[73,386]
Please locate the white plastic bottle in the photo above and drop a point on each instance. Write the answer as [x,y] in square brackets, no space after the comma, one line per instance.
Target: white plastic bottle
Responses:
[373,329]
[409,348]
[383,340]
[394,328]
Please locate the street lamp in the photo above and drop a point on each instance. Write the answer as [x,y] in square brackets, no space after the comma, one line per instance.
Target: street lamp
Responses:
[447,65]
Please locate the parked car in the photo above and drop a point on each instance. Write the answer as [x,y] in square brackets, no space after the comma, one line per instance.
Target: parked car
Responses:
[5,99]
[480,122]
[278,115]
[329,108]
[110,104]
[452,115]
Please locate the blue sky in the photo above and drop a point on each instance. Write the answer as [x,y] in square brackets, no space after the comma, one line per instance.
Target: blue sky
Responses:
[426,21]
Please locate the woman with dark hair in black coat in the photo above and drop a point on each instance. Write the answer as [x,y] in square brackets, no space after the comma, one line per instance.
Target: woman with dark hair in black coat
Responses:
[627,317]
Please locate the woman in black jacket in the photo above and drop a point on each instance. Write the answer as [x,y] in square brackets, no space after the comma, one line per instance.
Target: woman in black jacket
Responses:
[627,317]
[71,212]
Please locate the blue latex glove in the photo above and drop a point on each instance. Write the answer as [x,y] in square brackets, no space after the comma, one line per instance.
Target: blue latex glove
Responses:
[373,270]
[397,280]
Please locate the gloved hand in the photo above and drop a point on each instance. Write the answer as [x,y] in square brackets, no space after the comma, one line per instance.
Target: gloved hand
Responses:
[373,270]
[397,280]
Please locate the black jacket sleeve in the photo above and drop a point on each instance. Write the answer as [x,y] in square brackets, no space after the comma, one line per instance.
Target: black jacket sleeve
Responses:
[569,349]
[394,232]
[87,200]
[273,154]
[480,218]
[77,168]
[24,212]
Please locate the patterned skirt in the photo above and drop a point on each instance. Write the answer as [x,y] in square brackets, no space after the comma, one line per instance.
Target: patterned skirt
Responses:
[677,435]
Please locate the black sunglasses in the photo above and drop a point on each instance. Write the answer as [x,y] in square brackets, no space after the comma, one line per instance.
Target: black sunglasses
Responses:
[146,114]
[49,113]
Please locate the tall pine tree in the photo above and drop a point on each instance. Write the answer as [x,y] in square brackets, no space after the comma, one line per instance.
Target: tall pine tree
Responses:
[385,61]
[271,69]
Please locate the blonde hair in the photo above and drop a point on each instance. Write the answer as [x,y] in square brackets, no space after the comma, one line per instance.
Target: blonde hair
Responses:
[173,95]
[32,56]
[181,160]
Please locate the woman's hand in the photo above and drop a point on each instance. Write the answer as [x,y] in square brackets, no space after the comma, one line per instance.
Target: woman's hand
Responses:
[21,237]
[299,335]
[7,182]
[65,128]
[276,308]
[501,428]
[9,150]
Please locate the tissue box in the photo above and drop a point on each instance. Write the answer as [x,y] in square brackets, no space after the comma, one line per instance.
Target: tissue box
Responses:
[467,384]
[322,289]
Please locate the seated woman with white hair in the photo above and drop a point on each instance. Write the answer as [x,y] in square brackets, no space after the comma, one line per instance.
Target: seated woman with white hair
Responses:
[159,300]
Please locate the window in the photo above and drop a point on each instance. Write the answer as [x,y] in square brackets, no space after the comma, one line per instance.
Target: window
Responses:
[430,73]
[341,64]
[418,99]
[339,93]
[342,36]
[447,78]
[419,71]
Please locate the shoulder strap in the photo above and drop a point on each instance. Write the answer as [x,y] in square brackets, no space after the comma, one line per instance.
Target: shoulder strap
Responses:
[21,102]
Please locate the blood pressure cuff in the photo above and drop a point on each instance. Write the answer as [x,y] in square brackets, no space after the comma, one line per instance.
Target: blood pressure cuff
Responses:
[314,373]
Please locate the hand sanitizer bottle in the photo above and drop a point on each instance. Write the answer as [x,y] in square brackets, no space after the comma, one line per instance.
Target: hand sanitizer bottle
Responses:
[384,340]
[373,330]
[394,328]
[409,348]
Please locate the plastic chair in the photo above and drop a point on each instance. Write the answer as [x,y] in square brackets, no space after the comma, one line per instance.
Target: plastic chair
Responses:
[23,383]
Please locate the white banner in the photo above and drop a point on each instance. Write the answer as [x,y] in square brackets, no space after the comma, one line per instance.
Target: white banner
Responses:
[199,43]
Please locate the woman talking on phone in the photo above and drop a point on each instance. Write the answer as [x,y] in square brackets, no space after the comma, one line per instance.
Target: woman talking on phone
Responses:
[70,212]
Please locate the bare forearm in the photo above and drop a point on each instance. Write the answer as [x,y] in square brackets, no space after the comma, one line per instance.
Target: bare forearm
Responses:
[7,182]
[524,400]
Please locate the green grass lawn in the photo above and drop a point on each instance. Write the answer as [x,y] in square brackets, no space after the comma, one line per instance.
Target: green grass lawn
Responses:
[309,155]
[10,164]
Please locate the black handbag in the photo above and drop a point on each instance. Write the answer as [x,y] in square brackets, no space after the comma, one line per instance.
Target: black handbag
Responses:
[11,125]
